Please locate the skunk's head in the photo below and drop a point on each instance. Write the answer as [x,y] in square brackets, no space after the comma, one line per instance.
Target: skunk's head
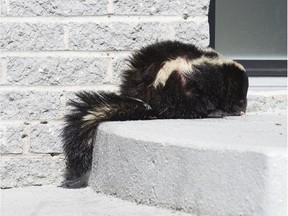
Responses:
[237,86]
[203,85]
[223,82]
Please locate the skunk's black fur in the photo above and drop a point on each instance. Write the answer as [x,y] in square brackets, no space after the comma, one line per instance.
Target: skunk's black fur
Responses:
[165,80]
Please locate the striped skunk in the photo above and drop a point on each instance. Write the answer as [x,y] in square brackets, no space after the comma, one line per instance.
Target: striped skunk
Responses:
[166,80]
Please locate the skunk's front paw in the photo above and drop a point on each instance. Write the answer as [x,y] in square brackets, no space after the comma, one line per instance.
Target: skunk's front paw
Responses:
[217,114]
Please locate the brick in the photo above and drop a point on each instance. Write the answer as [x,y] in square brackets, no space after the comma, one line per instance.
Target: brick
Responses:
[3,8]
[56,71]
[117,35]
[46,138]
[11,139]
[30,105]
[120,64]
[162,7]
[31,36]
[57,7]
[31,170]
[195,32]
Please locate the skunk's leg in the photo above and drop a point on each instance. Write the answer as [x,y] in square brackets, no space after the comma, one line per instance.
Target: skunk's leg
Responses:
[217,114]
[222,114]
[90,110]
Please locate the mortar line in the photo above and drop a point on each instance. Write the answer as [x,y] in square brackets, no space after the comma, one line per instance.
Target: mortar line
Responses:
[63,101]
[20,122]
[109,71]
[30,155]
[56,88]
[66,53]
[7,6]
[26,140]
[110,7]
[100,19]
[66,29]
[172,32]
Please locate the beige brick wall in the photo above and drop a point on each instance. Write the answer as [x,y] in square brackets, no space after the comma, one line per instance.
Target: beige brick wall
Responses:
[50,49]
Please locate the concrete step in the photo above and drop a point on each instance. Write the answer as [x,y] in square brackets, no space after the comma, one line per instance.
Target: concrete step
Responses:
[54,201]
[230,166]
[267,101]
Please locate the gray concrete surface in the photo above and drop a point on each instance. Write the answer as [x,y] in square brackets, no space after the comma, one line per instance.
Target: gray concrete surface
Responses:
[267,101]
[230,166]
[53,201]
[31,152]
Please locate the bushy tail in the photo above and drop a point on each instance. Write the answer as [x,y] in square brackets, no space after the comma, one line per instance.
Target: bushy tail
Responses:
[90,110]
